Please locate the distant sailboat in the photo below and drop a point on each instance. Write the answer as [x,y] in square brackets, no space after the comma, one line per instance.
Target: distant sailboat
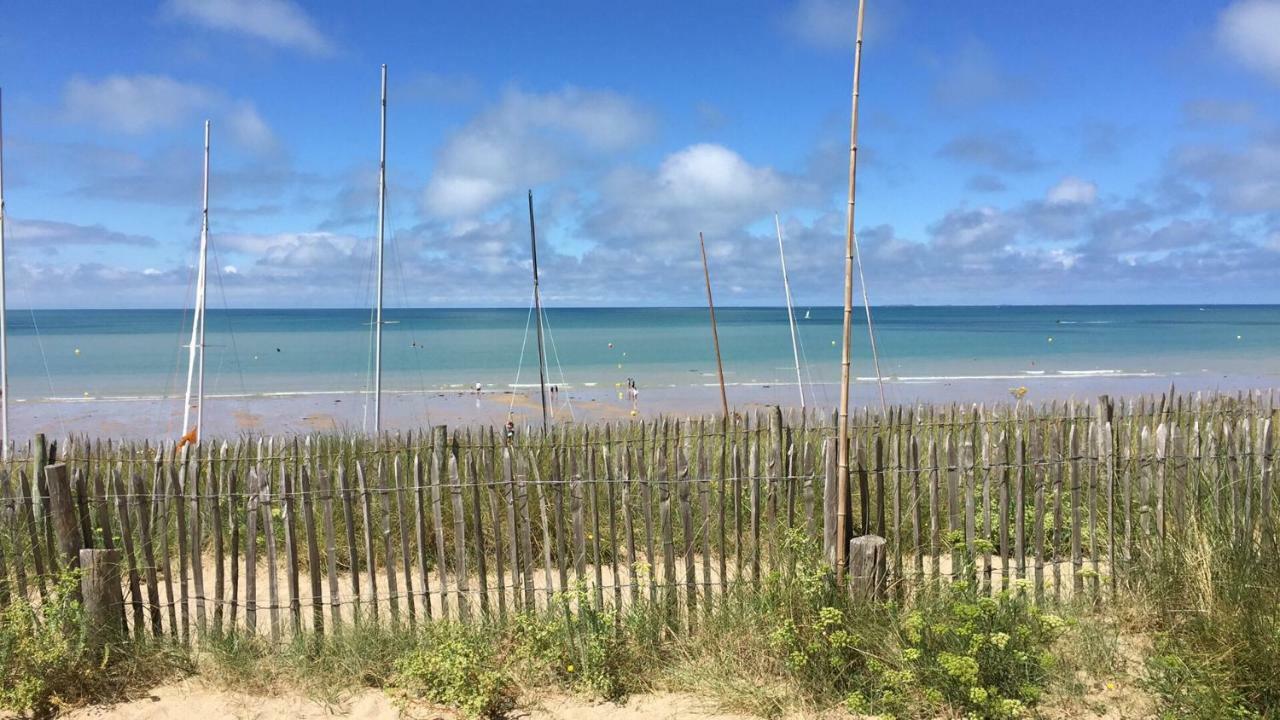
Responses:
[195,358]
[806,314]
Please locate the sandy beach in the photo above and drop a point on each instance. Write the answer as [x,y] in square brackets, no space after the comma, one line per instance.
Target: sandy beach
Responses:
[159,418]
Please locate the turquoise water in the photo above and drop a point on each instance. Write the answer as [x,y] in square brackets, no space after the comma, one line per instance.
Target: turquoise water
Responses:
[141,353]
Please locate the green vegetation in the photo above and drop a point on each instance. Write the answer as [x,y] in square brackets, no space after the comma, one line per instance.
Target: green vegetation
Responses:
[1215,613]
[46,662]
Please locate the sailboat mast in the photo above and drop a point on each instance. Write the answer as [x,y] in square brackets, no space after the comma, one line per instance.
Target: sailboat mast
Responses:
[4,330]
[382,211]
[382,220]
[842,453]
[537,306]
[791,313]
[195,358]
[715,334]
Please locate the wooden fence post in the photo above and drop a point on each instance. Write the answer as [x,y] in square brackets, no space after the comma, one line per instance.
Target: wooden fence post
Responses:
[830,502]
[103,597]
[868,574]
[63,508]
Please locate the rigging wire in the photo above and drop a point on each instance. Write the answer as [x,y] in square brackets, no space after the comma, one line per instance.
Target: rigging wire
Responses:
[871,332]
[171,389]
[398,266]
[528,321]
[368,378]
[546,324]
[57,411]
[231,333]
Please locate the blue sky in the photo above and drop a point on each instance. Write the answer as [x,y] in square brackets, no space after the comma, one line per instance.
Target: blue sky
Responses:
[1011,152]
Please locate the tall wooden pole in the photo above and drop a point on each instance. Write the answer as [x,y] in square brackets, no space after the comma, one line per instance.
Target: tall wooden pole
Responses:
[4,330]
[537,307]
[842,451]
[715,334]
[382,211]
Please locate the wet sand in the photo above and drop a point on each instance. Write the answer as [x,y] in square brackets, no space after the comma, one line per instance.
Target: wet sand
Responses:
[157,418]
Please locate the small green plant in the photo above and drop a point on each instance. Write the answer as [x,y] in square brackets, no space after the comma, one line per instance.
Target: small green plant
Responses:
[458,666]
[47,663]
[43,655]
[987,656]
[584,648]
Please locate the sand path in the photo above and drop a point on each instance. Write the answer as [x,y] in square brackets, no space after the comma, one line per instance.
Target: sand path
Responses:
[191,698]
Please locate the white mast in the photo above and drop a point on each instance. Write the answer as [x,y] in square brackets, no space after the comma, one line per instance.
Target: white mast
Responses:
[195,358]
[382,209]
[4,330]
[791,314]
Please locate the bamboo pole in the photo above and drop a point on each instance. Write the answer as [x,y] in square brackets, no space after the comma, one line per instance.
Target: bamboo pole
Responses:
[842,449]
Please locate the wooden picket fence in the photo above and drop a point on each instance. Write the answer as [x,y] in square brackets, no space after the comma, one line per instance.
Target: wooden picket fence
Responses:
[281,536]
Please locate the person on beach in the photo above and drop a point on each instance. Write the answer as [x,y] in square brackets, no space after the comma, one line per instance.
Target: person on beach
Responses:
[479,389]
[510,431]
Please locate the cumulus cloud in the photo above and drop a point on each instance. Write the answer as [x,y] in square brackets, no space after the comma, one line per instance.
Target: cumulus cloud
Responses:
[527,139]
[278,22]
[1239,180]
[1247,30]
[249,129]
[140,104]
[1072,191]
[703,187]
[133,104]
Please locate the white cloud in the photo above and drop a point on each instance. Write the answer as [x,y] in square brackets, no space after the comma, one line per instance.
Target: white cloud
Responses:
[279,22]
[714,175]
[249,129]
[139,104]
[1249,30]
[527,139]
[294,252]
[703,187]
[133,104]
[832,24]
[52,234]
[1072,191]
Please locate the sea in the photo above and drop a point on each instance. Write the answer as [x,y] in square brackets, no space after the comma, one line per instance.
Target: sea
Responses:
[111,354]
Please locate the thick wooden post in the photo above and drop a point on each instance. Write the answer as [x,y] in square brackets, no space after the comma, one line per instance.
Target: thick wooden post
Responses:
[62,505]
[103,598]
[868,562]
